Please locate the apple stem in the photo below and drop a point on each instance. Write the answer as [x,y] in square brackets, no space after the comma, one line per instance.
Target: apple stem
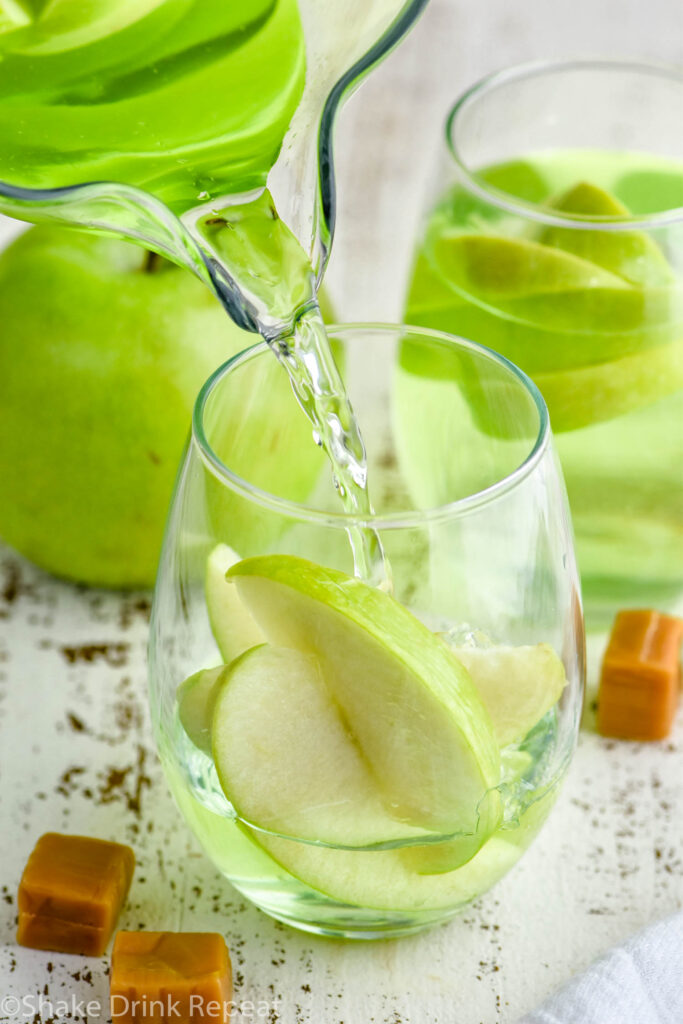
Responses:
[152,262]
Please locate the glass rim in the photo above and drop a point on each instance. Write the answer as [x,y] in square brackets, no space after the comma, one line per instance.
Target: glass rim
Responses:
[391,520]
[536,211]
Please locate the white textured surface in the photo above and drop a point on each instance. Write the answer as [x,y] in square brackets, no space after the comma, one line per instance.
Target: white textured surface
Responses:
[75,749]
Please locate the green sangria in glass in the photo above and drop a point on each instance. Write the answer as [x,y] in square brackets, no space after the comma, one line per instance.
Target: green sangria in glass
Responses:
[361,755]
[557,240]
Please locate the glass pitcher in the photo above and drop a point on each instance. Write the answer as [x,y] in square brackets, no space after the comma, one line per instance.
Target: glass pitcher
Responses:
[163,121]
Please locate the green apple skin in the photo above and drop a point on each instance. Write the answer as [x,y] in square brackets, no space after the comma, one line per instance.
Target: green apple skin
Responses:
[100,363]
[409,702]
[102,353]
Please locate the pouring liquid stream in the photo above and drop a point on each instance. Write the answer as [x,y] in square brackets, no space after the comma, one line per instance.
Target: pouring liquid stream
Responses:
[255,257]
[319,388]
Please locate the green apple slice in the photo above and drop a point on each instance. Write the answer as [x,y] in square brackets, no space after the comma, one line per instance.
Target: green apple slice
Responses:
[437,858]
[69,26]
[385,879]
[546,332]
[517,685]
[593,394]
[494,267]
[536,284]
[285,759]
[408,703]
[632,255]
[196,698]
[234,629]
[15,13]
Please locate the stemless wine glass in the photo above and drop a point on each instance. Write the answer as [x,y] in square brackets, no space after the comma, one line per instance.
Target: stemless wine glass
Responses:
[557,239]
[358,762]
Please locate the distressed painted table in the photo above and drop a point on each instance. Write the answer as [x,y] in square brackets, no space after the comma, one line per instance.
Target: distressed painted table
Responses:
[75,748]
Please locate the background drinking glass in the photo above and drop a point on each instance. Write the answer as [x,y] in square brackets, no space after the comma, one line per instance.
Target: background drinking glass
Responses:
[471,512]
[557,239]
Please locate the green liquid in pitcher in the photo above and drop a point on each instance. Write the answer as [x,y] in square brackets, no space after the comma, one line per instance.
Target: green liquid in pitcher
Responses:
[187,99]
[596,318]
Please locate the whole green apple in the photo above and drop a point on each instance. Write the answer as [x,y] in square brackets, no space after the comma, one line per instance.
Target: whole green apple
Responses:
[102,353]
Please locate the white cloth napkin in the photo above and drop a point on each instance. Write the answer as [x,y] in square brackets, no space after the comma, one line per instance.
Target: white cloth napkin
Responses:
[640,982]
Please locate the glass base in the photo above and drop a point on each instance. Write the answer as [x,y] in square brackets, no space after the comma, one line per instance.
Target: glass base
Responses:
[335,921]
[384,930]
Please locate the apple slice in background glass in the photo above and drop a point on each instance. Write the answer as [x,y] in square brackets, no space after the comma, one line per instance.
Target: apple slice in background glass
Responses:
[555,245]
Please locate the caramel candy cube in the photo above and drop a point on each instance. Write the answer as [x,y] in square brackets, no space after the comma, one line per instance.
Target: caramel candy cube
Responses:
[639,683]
[158,977]
[71,893]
